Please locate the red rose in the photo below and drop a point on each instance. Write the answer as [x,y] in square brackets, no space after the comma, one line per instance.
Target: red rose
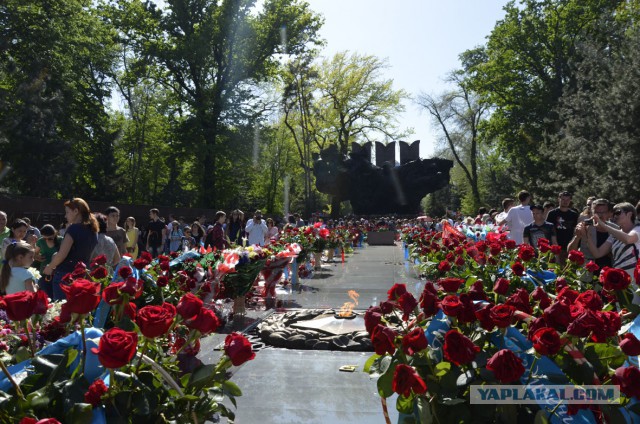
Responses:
[429,303]
[451,305]
[78,273]
[592,267]
[459,261]
[111,294]
[383,340]
[28,420]
[387,306]
[502,315]
[415,341]
[517,268]
[116,348]
[590,300]
[99,273]
[146,256]
[372,317]
[192,349]
[42,303]
[520,301]
[408,304]
[450,285]
[238,349]
[614,279]
[510,244]
[586,323]
[484,316]
[21,305]
[444,266]
[561,283]
[612,323]
[133,287]
[205,322]
[155,320]
[535,325]
[628,378]
[506,366]
[526,252]
[495,249]
[164,266]
[95,392]
[140,263]
[82,296]
[162,281]
[630,345]
[558,315]
[99,261]
[396,291]
[576,257]
[406,380]
[481,259]
[541,296]
[546,341]
[543,247]
[125,272]
[476,291]
[556,249]
[458,349]
[65,313]
[567,295]
[501,286]
[189,306]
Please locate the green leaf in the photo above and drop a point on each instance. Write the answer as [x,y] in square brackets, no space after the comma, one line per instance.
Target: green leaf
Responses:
[202,376]
[424,409]
[22,354]
[80,413]
[379,366]
[232,388]
[442,368]
[370,362]
[385,382]
[405,404]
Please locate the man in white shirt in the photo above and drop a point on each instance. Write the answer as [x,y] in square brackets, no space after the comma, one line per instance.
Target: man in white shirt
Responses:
[519,217]
[256,229]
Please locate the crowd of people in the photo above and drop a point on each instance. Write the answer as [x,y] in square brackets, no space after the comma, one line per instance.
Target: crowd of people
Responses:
[607,233]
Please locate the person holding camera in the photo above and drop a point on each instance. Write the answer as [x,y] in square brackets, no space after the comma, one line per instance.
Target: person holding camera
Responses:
[601,208]
[623,242]
[256,229]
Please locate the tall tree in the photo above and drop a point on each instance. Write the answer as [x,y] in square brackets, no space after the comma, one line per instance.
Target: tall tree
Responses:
[213,51]
[600,140]
[300,117]
[357,103]
[55,58]
[524,68]
[459,115]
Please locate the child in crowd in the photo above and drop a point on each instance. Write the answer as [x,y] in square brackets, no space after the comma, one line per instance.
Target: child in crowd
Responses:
[15,277]
[47,246]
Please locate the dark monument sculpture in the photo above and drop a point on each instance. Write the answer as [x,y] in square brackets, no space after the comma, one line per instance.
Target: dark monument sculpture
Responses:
[379,190]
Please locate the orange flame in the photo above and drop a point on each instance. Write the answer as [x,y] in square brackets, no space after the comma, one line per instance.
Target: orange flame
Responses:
[347,308]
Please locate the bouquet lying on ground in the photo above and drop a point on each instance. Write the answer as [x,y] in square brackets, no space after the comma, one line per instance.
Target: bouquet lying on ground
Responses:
[489,314]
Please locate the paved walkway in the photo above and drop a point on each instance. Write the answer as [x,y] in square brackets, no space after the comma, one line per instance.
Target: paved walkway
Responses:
[306,387]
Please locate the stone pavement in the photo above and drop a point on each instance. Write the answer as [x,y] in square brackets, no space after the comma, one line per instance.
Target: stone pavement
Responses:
[305,386]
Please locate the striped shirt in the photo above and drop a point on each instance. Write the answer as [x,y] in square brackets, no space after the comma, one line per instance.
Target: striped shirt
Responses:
[625,256]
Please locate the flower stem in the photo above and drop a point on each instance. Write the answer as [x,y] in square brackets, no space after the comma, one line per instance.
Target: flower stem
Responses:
[83,360]
[144,350]
[112,379]
[533,364]
[29,339]
[13,382]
